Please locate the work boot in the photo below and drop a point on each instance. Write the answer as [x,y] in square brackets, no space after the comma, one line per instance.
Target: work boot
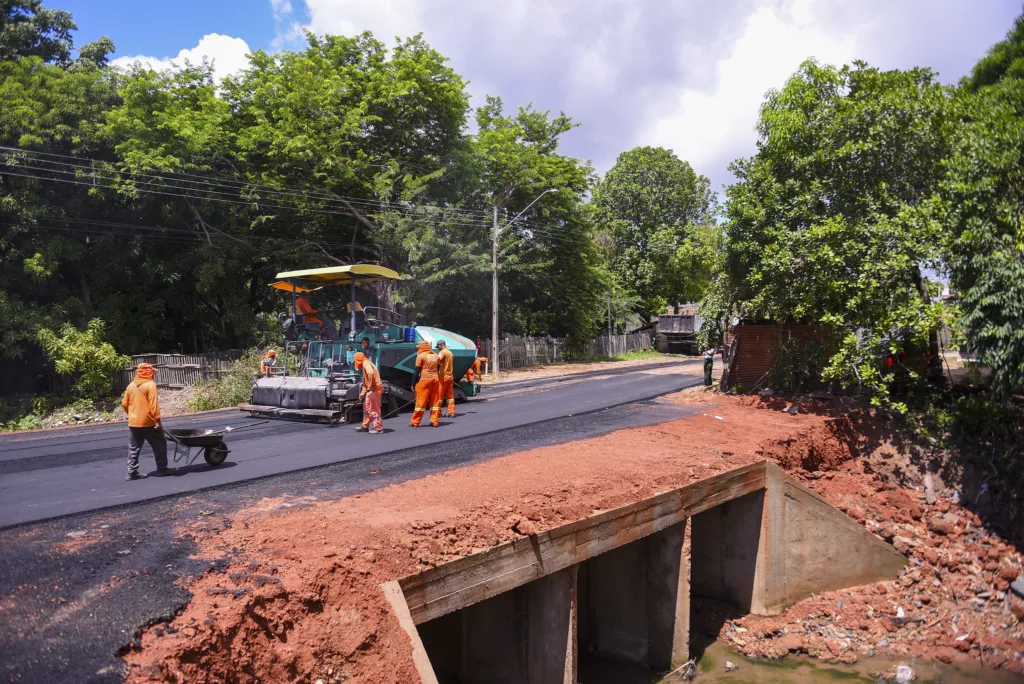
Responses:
[134,476]
[360,429]
[163,471]
[376,432]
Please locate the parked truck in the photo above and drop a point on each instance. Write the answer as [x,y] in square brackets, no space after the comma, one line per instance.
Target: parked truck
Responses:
[677,333]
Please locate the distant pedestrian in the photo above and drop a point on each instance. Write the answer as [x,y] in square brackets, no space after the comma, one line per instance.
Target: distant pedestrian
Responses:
[371,394]
[143,408]
[709,365]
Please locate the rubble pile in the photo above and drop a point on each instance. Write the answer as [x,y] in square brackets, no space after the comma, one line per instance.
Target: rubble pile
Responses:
[951,603]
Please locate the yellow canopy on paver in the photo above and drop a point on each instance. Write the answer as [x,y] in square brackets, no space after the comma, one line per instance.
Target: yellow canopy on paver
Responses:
[335,275]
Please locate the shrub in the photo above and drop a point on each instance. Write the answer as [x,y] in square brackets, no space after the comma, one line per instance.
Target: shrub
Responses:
[84,355]
[233,387]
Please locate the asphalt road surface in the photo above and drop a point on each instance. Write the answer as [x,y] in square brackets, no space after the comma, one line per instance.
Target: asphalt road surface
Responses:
[61,472]
[76,590]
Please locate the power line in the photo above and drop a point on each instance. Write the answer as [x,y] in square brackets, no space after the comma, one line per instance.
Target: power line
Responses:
[236,186]
[91,168]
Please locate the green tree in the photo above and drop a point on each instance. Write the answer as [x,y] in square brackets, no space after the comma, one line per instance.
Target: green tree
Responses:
[652,203]
[822,221]
[553,280]
[982,204]
[27,29]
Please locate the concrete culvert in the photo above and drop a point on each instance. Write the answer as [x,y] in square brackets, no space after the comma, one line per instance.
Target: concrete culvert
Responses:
[617,588]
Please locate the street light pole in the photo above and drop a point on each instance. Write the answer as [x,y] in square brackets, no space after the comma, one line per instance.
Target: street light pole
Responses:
[495,342]
[493,361]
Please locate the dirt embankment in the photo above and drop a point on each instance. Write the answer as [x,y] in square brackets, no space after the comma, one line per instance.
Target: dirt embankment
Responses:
[297,598]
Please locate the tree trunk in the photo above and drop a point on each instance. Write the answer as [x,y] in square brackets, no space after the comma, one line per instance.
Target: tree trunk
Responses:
[935,360]
[83,280]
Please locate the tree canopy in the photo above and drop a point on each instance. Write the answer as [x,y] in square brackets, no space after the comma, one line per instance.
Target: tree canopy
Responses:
[821,222]
[981,201]
[653,205]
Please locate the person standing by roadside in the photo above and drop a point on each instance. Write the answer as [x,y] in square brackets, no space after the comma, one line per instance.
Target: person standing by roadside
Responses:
[446,370]
[709,365]
[142,405]
[371,394]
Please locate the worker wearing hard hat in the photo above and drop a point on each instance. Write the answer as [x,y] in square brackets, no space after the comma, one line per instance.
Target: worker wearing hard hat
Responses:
[371,394]
[474,370]
[446,371]
[142,405]
[268,362]
[428,386]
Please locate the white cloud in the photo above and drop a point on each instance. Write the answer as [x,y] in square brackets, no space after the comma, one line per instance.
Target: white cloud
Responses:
[280,7]
[227,54]
[689,75]
[710,126]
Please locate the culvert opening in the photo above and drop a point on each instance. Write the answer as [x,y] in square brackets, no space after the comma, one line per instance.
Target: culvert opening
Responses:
[617,596]
[725,541]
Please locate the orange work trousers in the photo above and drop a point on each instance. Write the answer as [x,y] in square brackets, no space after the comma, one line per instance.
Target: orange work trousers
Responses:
[428,394]
[371,410]
[448,394]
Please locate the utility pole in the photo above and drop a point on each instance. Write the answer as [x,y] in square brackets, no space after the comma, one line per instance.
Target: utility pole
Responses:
[495,346]
[494,297]
[609,320]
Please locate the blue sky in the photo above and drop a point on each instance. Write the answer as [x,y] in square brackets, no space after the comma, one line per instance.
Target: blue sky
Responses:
[688,75]
[161,28]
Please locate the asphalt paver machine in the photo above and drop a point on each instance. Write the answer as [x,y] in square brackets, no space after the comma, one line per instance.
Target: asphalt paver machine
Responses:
[315,378]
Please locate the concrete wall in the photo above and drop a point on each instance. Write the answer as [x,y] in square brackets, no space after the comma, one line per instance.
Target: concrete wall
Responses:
[811,547]
[524,635]
[635,601]
[726,541]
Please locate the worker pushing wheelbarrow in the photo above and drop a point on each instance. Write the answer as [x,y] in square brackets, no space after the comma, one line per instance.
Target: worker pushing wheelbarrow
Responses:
[190,443]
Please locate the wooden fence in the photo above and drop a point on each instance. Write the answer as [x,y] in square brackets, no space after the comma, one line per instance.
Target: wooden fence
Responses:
[173,371]
[176,371]
[520,352]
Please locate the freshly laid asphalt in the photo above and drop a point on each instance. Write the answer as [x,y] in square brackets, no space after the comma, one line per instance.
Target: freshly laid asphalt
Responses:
[68,609]
[50,474]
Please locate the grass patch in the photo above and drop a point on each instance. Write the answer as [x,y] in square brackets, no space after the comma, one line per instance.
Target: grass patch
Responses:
[232,388]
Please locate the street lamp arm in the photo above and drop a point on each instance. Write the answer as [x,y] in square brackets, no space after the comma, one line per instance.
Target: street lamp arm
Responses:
[517,216]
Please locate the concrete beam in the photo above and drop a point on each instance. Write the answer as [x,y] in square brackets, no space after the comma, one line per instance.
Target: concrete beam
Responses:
[394,596]
[449,587]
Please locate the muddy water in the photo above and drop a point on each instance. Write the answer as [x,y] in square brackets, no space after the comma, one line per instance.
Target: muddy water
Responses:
[791,670]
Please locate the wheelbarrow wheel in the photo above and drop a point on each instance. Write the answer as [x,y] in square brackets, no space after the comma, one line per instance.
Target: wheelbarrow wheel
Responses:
[215,455]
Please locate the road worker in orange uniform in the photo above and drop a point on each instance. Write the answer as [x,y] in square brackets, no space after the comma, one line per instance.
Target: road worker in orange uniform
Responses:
[142,405]
[446,370]
[371,394]
[474,370]
[306,310]
[428,386]
[268,362]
